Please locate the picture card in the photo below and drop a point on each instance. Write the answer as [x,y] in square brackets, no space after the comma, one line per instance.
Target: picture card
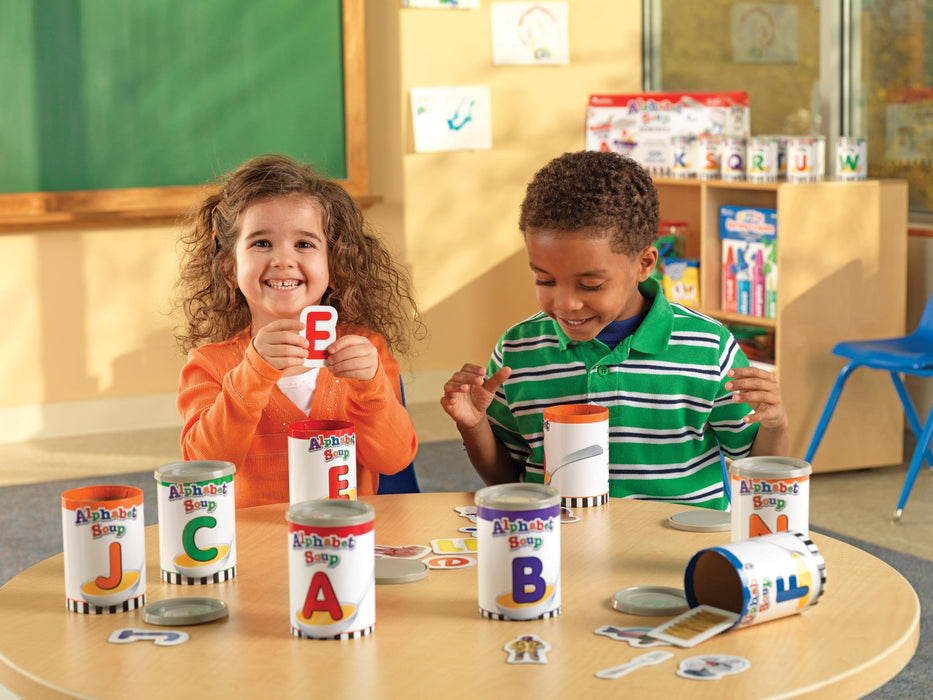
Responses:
[694,626]
[711,667]
[405,551]
[320,330]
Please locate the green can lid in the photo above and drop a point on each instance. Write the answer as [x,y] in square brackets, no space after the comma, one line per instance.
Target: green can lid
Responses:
[184,611]
[770,467]
[330,512]
[701,520]
[518,496]
[650,601]
[193,471]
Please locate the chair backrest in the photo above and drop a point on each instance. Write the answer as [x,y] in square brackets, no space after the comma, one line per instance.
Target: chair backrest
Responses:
[926,320]
[405,481]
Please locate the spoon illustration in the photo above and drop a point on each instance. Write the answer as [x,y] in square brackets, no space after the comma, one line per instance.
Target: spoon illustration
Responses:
[649,659]
[576,456]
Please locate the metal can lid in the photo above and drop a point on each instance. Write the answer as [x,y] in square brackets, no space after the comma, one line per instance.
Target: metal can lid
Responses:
[330,512]
[701,520]
[650,601]
[184,611]
[518,496]
[389,570]
[194,471]
[770,467]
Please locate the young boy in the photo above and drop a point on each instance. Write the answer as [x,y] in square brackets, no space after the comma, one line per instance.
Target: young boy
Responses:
[676,383]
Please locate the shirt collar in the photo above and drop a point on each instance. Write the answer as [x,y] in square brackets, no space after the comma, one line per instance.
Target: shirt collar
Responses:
[652,336]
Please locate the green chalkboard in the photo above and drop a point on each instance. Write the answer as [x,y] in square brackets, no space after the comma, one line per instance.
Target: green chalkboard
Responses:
[103,94]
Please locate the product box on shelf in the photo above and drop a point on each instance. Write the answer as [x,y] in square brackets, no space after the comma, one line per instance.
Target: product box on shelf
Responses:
[642,125]
[749,260]
[681,281]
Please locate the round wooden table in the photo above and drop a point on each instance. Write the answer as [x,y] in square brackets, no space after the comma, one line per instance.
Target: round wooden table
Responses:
[430,639]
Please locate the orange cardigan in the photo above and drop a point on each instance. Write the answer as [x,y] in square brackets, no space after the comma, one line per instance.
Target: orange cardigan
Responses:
[233,411]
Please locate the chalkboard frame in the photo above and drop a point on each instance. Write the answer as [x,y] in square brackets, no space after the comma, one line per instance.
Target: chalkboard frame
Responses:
[141,206]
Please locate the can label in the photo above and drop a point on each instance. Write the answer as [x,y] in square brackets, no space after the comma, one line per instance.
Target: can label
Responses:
[708,157]
[197,531]
[851,158]
[761,506]
[684,151]
[762,160]
[761,579]
[733,159]
[806,159]
[518,563]
[321,461]
[103,537]
[331,575]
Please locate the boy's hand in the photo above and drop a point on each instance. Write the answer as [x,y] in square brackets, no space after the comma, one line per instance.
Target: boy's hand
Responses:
[760,390]
[467,394]
[281,343]
[353,357]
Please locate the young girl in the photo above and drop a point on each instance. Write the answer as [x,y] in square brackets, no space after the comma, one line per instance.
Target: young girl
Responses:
[275,239]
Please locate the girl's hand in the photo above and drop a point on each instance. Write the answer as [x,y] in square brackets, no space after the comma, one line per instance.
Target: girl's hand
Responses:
[467,394]
[353,357]
[282,344]
[760,390]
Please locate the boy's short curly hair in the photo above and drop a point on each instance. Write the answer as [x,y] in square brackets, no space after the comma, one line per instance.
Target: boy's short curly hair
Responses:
[596,193]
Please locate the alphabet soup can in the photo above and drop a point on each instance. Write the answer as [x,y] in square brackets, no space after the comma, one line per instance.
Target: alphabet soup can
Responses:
[576,453]
[331,569]
[197,521]
[851,158]
[760,579]
[518,551]
[103,537]
[769,494]
[321,460]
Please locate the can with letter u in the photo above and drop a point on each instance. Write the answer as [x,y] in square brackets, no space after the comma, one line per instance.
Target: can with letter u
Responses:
[518,551]
[197,521]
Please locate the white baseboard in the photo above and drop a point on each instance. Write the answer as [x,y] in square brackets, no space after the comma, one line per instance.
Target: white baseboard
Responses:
[68,419]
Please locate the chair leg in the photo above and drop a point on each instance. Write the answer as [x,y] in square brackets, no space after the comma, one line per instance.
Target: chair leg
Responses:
[912,418]
[923,446]
[828,410]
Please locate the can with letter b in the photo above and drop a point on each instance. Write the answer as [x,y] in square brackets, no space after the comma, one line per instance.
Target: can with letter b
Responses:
[518,551]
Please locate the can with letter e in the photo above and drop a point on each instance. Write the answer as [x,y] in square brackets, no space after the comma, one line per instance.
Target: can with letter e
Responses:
[197,521]
[331,569]
[518,551]
[321,460]
[769,494]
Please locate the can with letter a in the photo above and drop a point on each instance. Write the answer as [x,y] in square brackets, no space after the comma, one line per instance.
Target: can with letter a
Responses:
[518,551]
[197,521]
[769,494]
[331,569]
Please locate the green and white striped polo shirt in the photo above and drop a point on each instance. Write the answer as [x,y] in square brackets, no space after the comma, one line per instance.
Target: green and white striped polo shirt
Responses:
[664,387]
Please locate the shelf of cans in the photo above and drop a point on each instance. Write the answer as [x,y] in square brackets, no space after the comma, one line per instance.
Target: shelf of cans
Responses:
[764,158]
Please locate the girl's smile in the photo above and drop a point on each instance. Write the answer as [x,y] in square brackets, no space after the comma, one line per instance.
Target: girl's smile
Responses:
[281,258]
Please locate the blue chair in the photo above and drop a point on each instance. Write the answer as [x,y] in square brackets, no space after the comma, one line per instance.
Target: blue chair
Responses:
[910,354]
[405,481]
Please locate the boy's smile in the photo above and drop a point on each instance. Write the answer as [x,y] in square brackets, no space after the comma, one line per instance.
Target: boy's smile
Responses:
[582,284]
[281,258]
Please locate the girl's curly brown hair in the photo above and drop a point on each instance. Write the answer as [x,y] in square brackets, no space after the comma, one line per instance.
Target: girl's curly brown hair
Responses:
[598,193]
[368,288]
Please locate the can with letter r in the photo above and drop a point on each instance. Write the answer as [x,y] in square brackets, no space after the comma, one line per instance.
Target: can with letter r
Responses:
[331,569]
[518,551]
[197,521]
[769,494]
